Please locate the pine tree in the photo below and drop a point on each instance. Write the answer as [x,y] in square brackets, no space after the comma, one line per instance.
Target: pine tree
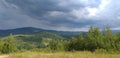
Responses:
[93,39]
[89,41]
[72,44]
[109,39]
[98,38]
[80,42]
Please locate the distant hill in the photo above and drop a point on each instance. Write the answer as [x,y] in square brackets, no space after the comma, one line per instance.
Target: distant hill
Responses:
[38,37]
[39,40]
[115,31]
[31,30]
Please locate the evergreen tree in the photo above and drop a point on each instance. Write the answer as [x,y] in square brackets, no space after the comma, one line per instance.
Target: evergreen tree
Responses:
[93,39]
[89,41]
[80,42]
[109,39]
[98,38]
[56,45]
[72,44]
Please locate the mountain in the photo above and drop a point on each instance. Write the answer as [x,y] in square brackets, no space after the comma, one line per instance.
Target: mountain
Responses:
[31,30]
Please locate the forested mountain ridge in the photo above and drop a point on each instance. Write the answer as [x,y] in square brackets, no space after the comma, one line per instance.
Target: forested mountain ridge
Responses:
[32,30]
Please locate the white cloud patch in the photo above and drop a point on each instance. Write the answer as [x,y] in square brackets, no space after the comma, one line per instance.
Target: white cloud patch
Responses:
[92,12]
[56,13]
[115,28]
[89,12]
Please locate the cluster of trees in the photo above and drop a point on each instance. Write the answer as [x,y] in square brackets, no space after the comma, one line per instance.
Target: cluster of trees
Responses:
[39,40]
[8,45]
[94,39]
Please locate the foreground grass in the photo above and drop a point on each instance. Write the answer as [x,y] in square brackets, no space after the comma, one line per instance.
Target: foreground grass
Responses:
[62,55]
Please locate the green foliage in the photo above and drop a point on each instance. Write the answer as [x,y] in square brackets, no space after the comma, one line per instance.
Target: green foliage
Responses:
[95,39]
[40,40]
[80,42]
[109,39]
[56,45]
[72,44]
[9,45]
[1,45]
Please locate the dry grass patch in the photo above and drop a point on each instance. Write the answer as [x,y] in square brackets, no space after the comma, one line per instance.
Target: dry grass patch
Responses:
[62,55]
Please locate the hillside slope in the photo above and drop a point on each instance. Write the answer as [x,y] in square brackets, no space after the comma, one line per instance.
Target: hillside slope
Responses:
[31,30]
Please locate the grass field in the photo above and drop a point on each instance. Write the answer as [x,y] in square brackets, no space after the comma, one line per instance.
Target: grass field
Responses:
[60,55]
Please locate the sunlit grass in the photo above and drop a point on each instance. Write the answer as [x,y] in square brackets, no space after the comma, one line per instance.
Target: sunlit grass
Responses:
[63,55]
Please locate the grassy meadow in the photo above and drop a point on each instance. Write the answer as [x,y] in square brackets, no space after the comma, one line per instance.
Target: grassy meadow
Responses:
[61,55]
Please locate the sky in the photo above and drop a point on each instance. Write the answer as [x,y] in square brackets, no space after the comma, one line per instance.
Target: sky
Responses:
[61,15]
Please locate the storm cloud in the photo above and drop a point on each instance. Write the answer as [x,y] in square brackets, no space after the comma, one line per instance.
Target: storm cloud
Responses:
[63,15]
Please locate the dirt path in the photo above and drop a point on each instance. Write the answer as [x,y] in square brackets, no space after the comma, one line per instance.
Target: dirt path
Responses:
[4,56]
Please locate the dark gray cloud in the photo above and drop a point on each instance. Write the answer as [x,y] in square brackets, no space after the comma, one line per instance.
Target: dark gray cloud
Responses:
[72,15]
